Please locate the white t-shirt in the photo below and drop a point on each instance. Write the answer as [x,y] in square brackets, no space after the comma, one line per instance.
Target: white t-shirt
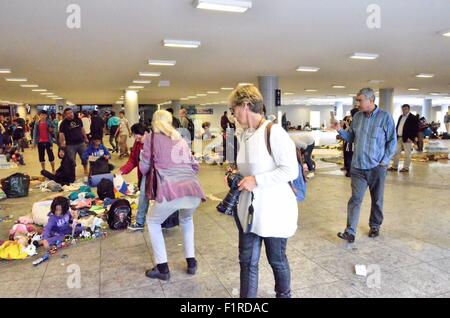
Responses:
[86,125]
[302,140]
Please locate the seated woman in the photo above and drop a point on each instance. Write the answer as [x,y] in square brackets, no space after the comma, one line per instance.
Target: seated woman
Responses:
[65,174]
[93,153]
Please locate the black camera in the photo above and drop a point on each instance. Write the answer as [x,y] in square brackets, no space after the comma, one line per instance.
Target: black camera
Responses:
[229,205]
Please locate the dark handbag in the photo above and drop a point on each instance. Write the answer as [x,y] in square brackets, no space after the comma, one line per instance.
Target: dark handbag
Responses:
[150,178]
[16,185]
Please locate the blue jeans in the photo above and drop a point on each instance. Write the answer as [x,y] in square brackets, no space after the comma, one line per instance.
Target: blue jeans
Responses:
[308,156]
[249,253]
[361,179]
[143,204]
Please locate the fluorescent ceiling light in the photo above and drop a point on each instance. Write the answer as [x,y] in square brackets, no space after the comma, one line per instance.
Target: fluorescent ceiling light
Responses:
[445,33]
[413,89]
[201,95]
[364,56]
[310,90]
[39,90]
[181,43]
[424,75]
[338,86]
[47,93]
[376,81]
[352,95]
[29,85]
[162,62]
[212,92]
[142,82]
[227,88]
[184,98]
[119,102]
[5,70]
[223,5]
[164,83]
[192,97]
[244,84]
[307,69]
[57,97]
[16,79]
[287,93]
[154,74]
[436,93]
[135,86]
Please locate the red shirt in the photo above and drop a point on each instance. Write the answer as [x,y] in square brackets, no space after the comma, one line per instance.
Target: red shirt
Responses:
[43,132]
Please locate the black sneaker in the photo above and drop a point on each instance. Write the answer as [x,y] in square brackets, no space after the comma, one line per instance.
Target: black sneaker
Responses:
[346,236]
[192,266]
[374,232]
[136,227]
[155,273]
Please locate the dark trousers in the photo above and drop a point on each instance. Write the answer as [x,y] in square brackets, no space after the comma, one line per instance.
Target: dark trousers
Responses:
[57,179]
[348,156]
[361,179]
[42,147]
[249,253]
[308,156]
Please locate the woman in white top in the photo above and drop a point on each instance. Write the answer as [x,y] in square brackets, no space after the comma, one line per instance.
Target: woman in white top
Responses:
[265,190]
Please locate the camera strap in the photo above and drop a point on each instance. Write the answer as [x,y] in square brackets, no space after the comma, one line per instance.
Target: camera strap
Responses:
[251,211]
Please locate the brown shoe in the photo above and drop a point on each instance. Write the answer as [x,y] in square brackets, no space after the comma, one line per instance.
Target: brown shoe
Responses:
[392,169]
[404,170]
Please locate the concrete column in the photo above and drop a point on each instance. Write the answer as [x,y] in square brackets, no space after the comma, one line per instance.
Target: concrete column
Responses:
[444,127]
[339,107]
[386,101]
[132,107]
[267,86]
[22,111]
[426,109]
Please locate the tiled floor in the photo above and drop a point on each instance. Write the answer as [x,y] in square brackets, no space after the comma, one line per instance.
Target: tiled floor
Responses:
[412,253]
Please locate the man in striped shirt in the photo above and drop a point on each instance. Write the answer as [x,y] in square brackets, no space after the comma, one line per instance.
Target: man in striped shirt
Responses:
[374,137]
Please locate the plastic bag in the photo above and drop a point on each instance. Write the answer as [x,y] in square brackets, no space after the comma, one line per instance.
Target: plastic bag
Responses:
[16,185]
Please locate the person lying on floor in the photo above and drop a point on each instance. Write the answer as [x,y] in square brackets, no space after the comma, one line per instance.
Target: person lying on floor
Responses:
[12,153]
[61,222]
[65,174]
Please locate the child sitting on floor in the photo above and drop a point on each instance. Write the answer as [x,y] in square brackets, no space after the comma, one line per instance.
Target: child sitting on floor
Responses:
[65,174]
[13,154]
[61,222]
[93,153]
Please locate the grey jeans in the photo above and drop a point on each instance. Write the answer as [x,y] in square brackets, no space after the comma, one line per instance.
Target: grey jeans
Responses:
[361,179]
[73,150]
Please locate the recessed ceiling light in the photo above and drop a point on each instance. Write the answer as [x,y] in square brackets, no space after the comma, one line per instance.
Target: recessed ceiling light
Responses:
[310,90]
[142,82]
[15,79]
[162,62]
[227,88]
[181,43]
[244,84]
[5,70]
[307,69]
[288,93]
[212,92]
[135,86]
[223,5]
[435,93]
[201,95]
[48,93]
[29,85]
[376,81]
[153,74]
[445,33]
[39,90]
[338,86]
[425,75]
[57,97]
[413,89]
[364,56]
[164,83]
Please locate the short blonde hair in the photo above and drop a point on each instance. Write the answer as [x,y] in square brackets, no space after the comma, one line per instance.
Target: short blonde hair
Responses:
[162,123]
[247,94]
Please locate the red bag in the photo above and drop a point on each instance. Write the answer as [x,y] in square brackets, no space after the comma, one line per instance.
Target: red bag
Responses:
[150,178]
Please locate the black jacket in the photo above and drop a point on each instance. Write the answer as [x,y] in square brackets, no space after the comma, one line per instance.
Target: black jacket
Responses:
[97,125]
[66,171]
[410,128]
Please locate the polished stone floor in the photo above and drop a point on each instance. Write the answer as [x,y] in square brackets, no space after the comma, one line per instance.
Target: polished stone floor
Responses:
[411,258]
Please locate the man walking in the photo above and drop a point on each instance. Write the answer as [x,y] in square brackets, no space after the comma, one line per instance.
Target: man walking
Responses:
[407,132]
[373,133]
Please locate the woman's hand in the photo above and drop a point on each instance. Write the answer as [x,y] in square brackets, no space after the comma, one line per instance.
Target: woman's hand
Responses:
[247,184]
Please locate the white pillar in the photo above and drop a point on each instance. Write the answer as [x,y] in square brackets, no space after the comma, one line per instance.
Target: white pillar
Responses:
[267,86]
[22,111]
[445,127]
[132,107]
[387,100]
[426,109]
[339,108]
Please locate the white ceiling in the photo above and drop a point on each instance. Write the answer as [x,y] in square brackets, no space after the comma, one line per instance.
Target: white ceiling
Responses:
[96,63]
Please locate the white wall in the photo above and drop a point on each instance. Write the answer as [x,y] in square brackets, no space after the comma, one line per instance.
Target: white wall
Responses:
[299,114]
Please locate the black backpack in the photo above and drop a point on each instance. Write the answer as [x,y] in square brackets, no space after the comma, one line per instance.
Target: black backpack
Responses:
[171,221]
[100,166]
[105,189]
[119,215]
[16,185]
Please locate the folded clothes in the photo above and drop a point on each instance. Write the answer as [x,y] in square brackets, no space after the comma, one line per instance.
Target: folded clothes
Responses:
[97,209]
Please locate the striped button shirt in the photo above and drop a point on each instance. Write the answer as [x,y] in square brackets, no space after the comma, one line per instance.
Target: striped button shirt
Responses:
[374,138]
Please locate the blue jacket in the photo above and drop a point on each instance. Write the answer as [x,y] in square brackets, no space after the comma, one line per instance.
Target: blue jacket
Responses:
[51,131]
[91,151]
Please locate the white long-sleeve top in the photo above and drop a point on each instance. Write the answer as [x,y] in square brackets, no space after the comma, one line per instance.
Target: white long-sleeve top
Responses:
[275,205]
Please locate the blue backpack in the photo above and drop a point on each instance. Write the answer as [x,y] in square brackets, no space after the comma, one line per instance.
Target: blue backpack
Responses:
[299,184]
